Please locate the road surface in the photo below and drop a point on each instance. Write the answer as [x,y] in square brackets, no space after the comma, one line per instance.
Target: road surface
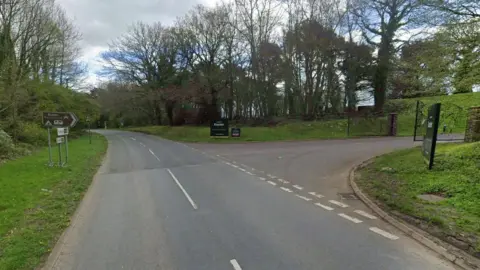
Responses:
[157,204]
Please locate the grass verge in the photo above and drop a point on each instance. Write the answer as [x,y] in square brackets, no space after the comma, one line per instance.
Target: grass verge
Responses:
[36,201]
[395,180]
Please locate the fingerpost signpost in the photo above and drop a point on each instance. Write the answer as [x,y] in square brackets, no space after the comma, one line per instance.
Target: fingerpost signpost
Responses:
[62,121]
[430,138]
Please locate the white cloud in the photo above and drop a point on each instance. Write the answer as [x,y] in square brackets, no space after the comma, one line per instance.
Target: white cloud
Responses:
[100,21]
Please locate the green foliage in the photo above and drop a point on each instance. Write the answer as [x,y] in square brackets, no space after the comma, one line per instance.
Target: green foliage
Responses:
[37,201]
[33,134]
[6,145]
[454,176]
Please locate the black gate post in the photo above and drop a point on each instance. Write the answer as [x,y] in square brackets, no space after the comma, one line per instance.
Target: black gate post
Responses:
[416,122]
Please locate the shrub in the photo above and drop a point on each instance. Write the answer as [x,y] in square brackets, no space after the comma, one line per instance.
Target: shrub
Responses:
[33,134]
[7,147]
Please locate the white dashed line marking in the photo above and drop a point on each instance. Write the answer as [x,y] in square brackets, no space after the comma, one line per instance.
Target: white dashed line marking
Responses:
[298,187]
[383,233]
[235,166]
[250,173]
[282,181]
[133,138]
[242,169]
[262,178]
[286,189]
[338,203]
[228,163]
[316,195]
[272,183]
[271,176]
[324,206]
[365,214]
[352,219]
[142,144]
[303,198]
[151,152]
[183,190]
[235,264]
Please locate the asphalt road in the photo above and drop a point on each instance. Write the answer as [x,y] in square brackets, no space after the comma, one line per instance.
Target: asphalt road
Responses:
[157,204]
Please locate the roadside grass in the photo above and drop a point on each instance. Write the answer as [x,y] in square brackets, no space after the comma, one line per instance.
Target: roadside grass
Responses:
[396,179]
[454,115]
[36,201]
[291,131]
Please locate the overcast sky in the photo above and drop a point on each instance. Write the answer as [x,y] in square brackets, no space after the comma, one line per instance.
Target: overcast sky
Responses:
[103,20]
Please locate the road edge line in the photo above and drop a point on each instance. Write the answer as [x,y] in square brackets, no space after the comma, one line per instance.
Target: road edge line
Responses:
[447,251]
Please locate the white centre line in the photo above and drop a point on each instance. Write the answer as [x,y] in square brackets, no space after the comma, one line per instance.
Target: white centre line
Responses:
[133,138]
[338,203]
[352,219]
[286,189]
[303,198]
[235,264]
[242,169]
[235,166]
[324,206]
[272,183]
[262,178]
[183,190]
[365,214]
[151,152]
[383,233]
[298,187]
[271,176]
[250,173]
[142,144]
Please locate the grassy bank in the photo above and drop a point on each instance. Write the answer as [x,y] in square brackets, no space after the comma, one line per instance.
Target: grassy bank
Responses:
[36,201]
[291,131]
[395,180]
[454,115]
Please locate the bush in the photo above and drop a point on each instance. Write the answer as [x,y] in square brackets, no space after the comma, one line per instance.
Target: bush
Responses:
[33,134]
[7,147]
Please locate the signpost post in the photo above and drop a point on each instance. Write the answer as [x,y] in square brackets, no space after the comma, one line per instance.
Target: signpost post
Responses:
[219,128]
[62,121]
[430,138]
[59,143]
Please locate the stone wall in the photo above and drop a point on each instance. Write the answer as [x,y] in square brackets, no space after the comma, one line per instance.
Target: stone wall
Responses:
[472,133]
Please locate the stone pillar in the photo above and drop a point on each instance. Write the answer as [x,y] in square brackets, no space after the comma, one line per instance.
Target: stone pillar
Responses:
[472,132]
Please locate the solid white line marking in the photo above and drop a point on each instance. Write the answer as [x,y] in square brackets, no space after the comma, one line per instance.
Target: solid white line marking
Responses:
[298,187]
[365,214]
[286,189]
[272,183]
[151,152]
[352,219]
[262,178]
[235,264]
[339,203]
[383,233]
[250,173]
[303,197]
[183,190]
[324,206]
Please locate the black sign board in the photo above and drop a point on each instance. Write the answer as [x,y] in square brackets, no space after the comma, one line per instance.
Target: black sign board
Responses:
[59,119]
[219,128]
[236,132]
[430,138]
